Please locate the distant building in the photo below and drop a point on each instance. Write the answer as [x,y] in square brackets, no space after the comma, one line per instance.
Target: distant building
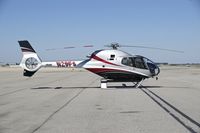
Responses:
[162,63]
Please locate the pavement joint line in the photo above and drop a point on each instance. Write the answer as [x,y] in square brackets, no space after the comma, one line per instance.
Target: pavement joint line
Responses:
[63,106]
[170,109]
[27,79]
[60,79]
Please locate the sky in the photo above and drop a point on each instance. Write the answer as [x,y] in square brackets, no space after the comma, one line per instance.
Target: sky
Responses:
[170,24]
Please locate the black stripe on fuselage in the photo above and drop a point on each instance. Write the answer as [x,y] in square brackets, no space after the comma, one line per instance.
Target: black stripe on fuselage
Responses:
[117,75]
[122,76]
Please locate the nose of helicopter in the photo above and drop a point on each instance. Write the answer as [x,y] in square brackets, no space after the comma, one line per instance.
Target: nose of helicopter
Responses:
[153,68]
[156,70]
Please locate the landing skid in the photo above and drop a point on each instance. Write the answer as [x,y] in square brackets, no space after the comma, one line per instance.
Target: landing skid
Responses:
[138,84]
[105,81]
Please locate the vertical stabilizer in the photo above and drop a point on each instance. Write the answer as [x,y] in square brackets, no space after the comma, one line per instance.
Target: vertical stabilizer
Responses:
[30,62]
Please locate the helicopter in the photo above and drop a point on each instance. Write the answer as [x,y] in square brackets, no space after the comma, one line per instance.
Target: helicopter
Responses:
[113,65]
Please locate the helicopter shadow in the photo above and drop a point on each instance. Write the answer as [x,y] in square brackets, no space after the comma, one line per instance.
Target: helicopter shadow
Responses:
[63,87]
[132,87]
[92,87]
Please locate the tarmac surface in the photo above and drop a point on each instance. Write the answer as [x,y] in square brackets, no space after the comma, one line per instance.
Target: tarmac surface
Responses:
[59,100]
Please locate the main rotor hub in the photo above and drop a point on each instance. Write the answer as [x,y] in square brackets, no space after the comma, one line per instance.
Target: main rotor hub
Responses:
[114,45]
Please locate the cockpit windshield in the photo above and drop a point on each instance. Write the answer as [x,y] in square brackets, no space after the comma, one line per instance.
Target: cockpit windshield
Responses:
[153,68]
[141,63]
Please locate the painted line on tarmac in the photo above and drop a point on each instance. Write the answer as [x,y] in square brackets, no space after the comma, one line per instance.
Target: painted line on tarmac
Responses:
[18,90]
[63,106]
[190,124]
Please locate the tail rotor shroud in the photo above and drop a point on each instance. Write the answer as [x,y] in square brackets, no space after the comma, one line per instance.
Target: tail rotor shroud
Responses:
[30,62]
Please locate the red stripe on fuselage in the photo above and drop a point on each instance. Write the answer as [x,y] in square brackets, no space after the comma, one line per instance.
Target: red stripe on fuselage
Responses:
[102,60]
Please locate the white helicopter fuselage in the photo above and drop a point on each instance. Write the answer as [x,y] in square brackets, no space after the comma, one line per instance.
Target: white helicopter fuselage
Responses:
[118,65]
[113,65]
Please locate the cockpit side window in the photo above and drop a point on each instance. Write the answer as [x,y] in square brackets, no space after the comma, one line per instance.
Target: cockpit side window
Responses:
[125,61]
[128,61]
[139,63]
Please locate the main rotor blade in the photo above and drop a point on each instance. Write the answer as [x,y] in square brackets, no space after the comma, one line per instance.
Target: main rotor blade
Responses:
[68,47]
[54,49]
[50,49]
[146,47]
[87,46]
